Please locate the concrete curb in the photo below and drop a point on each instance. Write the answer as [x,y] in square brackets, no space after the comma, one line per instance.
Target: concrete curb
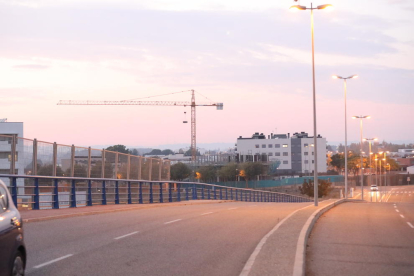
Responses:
[299,266]
[141,206]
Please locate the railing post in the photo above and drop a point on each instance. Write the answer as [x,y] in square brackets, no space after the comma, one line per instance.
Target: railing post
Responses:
[261,196]
[178,191]
[13,155]
[186,193]
[14,190]
[151,199]
[73,194]
[221,194]
[215,193]
[194,192]
[36,204]
[88,173]
[226,194]
[208,193]
[161,195]
[236,195]
[34,167]
[129,192]
[89,203]
[202,192]
[54,166]
[103,192]
[103,164]
[250,196]
[117,192]
[140,201]
[231,194]
[169,192]
[55,194]
[241,195]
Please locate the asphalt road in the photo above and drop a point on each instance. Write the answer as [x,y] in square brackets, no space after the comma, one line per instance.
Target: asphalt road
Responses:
[387,194]
[211,239]
[365,238]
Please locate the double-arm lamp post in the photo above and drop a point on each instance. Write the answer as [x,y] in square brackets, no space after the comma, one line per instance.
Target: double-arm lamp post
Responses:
[362,165]
[315,178]
[346,138]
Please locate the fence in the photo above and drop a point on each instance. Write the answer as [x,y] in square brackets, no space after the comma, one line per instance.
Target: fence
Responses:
[257,184]
[23,156]
[77,191]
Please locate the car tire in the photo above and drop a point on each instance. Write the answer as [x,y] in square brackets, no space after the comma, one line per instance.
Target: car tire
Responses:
[18,265]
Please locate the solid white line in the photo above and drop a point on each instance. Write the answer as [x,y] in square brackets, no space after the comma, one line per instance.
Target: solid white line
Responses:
[397,210]
[206,213]
[232,208]
[53,261]
[249,264]
[401,216]
[172,221]
[117,238]
[412,226]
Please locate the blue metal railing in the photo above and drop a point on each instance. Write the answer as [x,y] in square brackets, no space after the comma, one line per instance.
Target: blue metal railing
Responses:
[52,192]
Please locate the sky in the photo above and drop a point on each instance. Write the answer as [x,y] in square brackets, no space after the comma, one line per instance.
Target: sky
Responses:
[252,56]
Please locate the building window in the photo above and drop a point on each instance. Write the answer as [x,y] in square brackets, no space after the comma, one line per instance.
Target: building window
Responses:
[306,161]
[313,161]
[277,145]
[306,153]
[277,154]
[285,154]
[256,146]
[270,146]
[285,162]
[270,153]
[313,153]
[263,146]
[305,145]
[285,145]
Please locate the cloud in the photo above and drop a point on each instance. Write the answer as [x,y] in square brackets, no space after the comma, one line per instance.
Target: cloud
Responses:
[31,66]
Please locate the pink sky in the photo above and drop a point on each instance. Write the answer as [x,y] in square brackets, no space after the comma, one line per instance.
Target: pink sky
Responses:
[253,57]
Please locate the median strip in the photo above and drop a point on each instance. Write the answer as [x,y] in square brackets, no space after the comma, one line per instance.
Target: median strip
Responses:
[53,261]
[120,237]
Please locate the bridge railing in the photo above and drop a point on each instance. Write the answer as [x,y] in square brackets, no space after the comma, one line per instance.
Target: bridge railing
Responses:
[52,192]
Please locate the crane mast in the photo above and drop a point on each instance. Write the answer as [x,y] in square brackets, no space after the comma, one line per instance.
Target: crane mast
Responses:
[193,105]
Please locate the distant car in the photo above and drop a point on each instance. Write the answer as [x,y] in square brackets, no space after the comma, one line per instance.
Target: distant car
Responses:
[12,248]
[374,188]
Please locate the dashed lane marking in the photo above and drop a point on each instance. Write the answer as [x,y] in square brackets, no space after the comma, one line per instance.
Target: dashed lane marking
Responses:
[172,221]
[232,208]
[120,237]
[53,261]
[397,210]
[401,216]
[412,226]
[207,213]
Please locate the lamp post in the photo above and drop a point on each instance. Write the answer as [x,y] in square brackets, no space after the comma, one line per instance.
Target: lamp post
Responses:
[362,165]
[346,141]
[370,153]
[303,8]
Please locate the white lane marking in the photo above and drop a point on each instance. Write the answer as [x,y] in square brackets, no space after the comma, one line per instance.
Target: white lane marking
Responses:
[397,210]
[172,221]
[232,208]
[120,237]
[249,264]
[395,206]
[401,216]
[207,213]
[412,226]
[53,261]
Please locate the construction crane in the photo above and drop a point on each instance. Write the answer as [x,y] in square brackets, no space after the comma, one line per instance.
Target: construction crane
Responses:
[193,105]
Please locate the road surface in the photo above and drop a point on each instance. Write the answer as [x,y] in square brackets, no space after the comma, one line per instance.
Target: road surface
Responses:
[211,239]
[365,238]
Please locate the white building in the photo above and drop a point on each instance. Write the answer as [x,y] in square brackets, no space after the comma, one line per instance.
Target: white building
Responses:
[11,129]
[295,154]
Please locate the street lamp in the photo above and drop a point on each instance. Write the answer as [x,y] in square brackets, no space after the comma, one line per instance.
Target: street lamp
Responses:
[320,7]
[370,153]
[346,141]
[362,165]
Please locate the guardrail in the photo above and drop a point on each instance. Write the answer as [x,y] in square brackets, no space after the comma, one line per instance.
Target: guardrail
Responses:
[46,192]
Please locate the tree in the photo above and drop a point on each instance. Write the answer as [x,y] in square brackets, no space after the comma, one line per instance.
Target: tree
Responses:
[229,171]
[134,152]
[47,170]
[179,171]
[167,152]
[96,170]
[118,148]
[188,153]
[80,171]
[251,170]
[154,152]
[208,173]
[324,187]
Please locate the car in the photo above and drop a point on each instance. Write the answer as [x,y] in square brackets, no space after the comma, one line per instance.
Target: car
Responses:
[374,188]
[12,247]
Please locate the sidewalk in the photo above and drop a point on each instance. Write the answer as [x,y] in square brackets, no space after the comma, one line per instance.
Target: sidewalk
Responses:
[48,214]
